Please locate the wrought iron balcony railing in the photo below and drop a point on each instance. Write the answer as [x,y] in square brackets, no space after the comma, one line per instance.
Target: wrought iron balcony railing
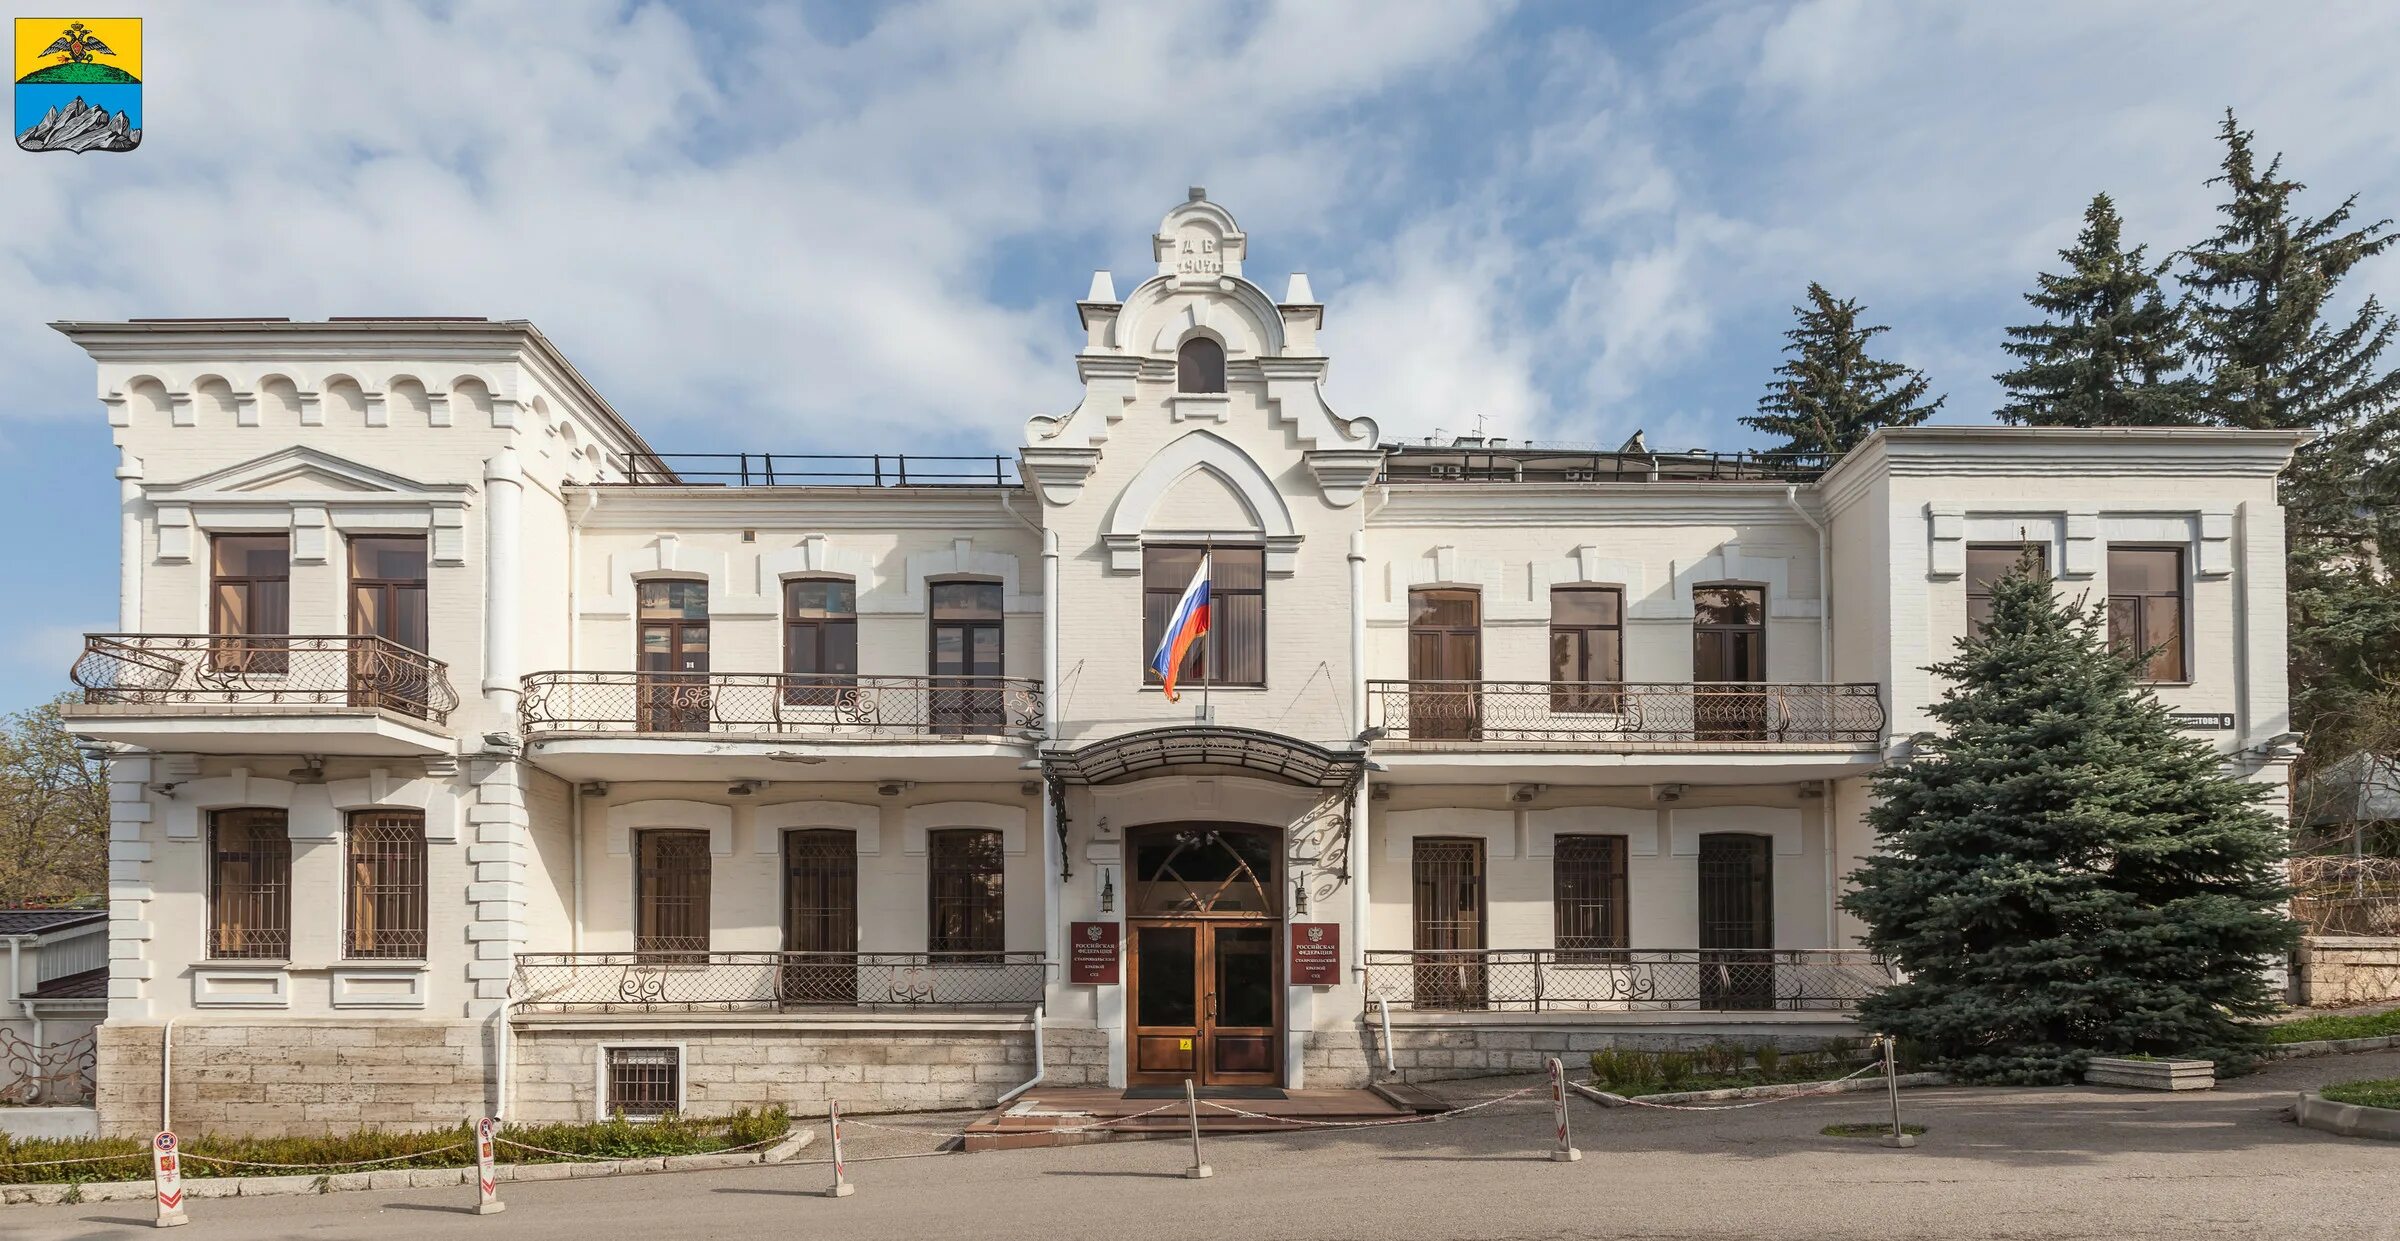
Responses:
[773,981]
[1598,712]
[1545,980]
[857,707]
[291,670]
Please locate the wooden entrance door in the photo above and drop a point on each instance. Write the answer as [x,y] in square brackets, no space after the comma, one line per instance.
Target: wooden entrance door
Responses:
[1205,1003]
[672,657]
[1445,665]
[387,600]
[1737,921]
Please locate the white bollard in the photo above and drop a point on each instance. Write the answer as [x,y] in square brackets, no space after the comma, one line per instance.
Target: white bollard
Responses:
[1198,1171]
[1564,1151]
[841,1187]
[487,1178]
[1899,1137]
[166,1171]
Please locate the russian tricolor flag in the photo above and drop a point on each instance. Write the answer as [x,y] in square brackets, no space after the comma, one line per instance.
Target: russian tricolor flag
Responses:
[1184,626]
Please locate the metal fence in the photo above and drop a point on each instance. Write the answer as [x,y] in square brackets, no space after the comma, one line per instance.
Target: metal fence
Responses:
[788,469]
[1604,711]
[57,1073]
[742,702]
[2346,895]
[753,981]
[302,670]
[1626,980]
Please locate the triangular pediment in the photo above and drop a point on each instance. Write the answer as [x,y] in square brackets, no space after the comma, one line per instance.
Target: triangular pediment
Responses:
[301,472]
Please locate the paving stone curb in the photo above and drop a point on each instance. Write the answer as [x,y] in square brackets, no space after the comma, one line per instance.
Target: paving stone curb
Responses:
[2350,1120]
[52,1194]
[2332,1046]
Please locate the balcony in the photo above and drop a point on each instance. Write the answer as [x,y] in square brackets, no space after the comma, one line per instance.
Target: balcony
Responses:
[706,725]
[1626,980]
[346,694]
[1669,731]
[617,983]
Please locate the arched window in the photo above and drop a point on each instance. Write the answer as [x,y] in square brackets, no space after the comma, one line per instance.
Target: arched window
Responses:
[1200,366]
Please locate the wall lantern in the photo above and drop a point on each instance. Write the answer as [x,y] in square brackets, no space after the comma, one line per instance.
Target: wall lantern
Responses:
[1108,892]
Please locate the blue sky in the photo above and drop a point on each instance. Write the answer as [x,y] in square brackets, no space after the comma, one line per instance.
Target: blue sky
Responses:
[844,227]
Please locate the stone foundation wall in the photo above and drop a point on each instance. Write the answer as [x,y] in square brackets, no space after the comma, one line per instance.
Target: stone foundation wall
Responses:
[730,1067]
[2335,970]
[296,1076]
[1438,1052]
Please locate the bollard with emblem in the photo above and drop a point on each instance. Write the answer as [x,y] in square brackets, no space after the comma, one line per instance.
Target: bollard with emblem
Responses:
[841,1187]
[487,1179]
[1198,1171]
[1898,1137]
[166,1169]
[1564,1151]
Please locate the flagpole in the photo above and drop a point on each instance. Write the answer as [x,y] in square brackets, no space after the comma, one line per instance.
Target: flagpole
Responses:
[1208,653]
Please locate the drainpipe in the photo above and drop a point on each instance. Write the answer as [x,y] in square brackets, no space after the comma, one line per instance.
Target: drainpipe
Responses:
[503,524]
[1791,496]
[129,540]
[1357,855]
[575,864]
[1038,1061]
[17,991]
[500,1050]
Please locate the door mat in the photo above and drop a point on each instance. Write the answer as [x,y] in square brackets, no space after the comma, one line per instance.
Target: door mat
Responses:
[1208,1092]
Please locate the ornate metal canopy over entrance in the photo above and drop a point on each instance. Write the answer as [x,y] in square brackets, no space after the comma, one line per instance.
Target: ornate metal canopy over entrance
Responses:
[1205,750]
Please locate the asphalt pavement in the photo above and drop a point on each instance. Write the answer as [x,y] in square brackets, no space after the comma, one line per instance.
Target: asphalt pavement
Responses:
[2064,1162]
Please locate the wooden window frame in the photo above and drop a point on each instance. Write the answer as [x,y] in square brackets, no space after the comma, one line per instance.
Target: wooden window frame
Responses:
[1758,627]
[380,937]
[1204,676]
[1583,880]
[1572,695]
[271,897]
[648,940]
[251,648]
[2141,601]
[950,865]
[819,688]
[392,588]
[1982,590]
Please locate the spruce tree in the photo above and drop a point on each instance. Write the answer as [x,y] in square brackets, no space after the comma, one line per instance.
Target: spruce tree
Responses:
[1831,394]
[2111,350]
[2061,872]
[2264,285]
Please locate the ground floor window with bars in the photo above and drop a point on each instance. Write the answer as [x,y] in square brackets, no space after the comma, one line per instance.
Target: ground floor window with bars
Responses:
[671,891]
[1588,900]
[642,1083]
[249,885]
[968,898]
[386,878]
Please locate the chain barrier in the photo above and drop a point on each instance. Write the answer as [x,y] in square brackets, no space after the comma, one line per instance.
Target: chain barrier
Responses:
[1822,1088]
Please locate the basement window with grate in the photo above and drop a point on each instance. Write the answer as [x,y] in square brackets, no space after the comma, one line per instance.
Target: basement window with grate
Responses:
[644,1083]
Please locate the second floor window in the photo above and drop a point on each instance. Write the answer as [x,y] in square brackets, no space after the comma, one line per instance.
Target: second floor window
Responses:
[387,588]
[2145,609]
[1729,633]
[385,874]
[672,656]
[820,635]
[250,594]
[1988,563]
[1587,647]
[967,897]
[1234,651]
[249,885]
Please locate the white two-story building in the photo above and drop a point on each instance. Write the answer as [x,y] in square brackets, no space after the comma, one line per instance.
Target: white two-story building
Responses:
[469,753]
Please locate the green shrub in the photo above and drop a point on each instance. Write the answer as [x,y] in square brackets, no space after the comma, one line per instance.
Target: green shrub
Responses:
[27,1160]
[1673,1067]
[2310,1029]
[1769,1058]
[2383,1092]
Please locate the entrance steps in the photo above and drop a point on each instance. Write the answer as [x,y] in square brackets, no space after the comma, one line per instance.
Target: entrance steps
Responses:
[1065,1117]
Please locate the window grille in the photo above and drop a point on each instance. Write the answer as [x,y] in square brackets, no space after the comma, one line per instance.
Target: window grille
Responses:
[1589,901]
[820,917]
[249,885]
[969,913]
[1446,904]
[386,876]
[671,890]
[644,1083]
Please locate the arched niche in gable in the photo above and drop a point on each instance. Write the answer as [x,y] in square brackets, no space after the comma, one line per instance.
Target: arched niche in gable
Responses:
[1235,486]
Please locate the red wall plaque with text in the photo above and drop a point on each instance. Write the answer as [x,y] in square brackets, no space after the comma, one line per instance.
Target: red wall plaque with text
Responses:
[1092,952]
[1316,954]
